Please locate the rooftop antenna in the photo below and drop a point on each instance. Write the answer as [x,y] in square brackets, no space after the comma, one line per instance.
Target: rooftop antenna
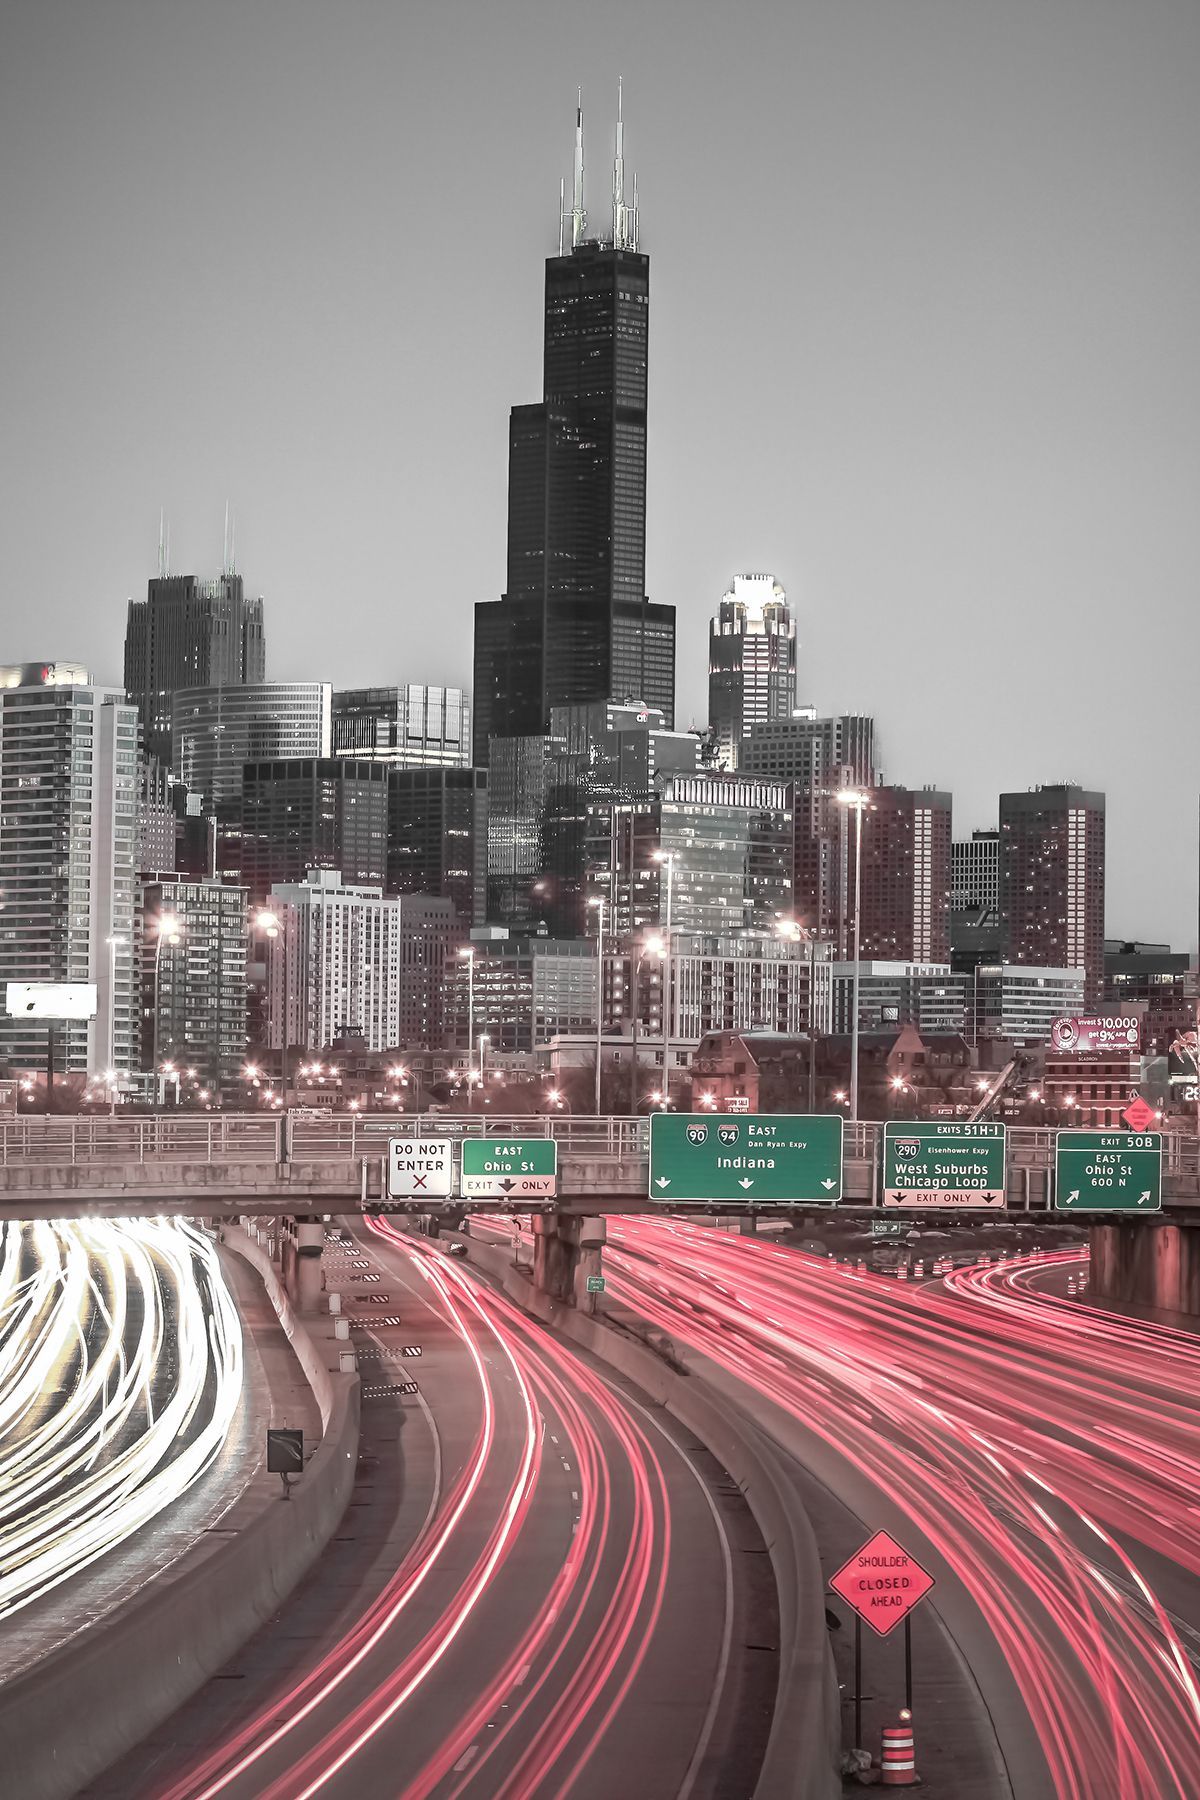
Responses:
[233,543]
[164,544]
[562,212]
[578,215]
[619,233]
[634,229]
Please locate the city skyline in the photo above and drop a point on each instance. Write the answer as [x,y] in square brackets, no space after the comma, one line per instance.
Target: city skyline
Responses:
[968,232]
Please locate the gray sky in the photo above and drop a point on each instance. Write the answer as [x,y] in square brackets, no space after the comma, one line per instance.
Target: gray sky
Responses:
[924,280]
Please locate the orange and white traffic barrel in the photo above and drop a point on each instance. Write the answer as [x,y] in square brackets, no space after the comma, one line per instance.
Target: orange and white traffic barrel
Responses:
[898,1757]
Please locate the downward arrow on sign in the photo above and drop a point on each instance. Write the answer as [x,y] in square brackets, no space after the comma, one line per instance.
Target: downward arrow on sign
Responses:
[747,1181]
[828,1184]
[663,1181]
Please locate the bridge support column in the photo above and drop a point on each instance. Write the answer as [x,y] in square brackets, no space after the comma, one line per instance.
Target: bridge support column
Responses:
[593,1235]
[1140,1262]
[310,1246]
[555,1254]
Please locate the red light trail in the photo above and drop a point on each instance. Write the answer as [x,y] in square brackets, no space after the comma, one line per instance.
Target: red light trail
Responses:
[1028,1439]
[563,1670]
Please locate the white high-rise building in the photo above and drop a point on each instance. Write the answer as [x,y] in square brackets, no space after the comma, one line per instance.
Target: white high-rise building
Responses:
[334,964]
[68,861]
[751,662]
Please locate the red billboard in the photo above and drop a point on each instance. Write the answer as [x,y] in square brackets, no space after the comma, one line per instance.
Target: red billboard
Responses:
[1118,1034]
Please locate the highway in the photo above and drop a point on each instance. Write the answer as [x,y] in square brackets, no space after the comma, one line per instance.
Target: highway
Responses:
[1046,1452]
[120,1375]
[534,1591]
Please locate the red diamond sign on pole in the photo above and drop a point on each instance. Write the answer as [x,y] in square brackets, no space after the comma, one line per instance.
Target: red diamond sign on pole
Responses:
[882,1583]
[1138,1115]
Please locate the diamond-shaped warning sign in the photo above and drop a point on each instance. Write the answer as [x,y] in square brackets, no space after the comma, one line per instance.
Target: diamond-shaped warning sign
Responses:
[882,1583]
[1137,1115]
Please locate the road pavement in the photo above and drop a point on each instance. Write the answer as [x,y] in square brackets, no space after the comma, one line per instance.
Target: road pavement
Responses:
[541,1586]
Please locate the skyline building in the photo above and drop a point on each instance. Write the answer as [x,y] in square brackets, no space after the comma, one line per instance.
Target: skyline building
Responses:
[722,845]
[838,750]
[68,861]
[905,878]
[975,875]
[1051,881]
[334,964]
[574,624]
[216,731]
[751,663]
[437,837]
[312,813]
[188,633]
[194,1003]
[522,989]
[412,727]
[431,934]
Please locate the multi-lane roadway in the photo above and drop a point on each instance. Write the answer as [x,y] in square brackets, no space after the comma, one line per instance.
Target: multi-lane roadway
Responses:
[1047,1455]
[538,1587]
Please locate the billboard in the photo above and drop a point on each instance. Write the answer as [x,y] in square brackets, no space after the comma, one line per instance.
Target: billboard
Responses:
[1117,1035]
[51,1000]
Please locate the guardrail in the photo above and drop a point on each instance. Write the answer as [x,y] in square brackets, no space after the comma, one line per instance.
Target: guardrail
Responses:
[252,1138]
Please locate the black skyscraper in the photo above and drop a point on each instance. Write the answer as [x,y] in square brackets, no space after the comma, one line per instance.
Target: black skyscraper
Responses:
[574,625]
[187,634]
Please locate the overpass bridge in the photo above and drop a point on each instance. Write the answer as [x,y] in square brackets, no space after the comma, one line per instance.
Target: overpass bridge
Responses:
[229,1165]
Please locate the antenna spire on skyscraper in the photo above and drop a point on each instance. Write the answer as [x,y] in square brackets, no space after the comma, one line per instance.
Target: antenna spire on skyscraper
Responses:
[624,218]
[578,215]
[164,544]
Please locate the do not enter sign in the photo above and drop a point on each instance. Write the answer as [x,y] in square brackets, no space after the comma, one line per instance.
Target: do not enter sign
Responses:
[882,1583]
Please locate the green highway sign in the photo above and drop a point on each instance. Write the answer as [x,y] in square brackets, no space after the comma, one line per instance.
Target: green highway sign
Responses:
[944,1165]
[888,1228]
[509,1169]
[595,1284]
[774,1159]
[1108,1171]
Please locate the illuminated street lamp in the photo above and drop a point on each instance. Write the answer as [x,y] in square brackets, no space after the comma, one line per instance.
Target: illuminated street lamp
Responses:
[114,944]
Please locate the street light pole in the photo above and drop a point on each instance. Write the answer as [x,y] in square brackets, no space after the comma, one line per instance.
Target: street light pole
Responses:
[849,797]
[468,956]
[114,944]
[598,903]
[668,857]
[168,932]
